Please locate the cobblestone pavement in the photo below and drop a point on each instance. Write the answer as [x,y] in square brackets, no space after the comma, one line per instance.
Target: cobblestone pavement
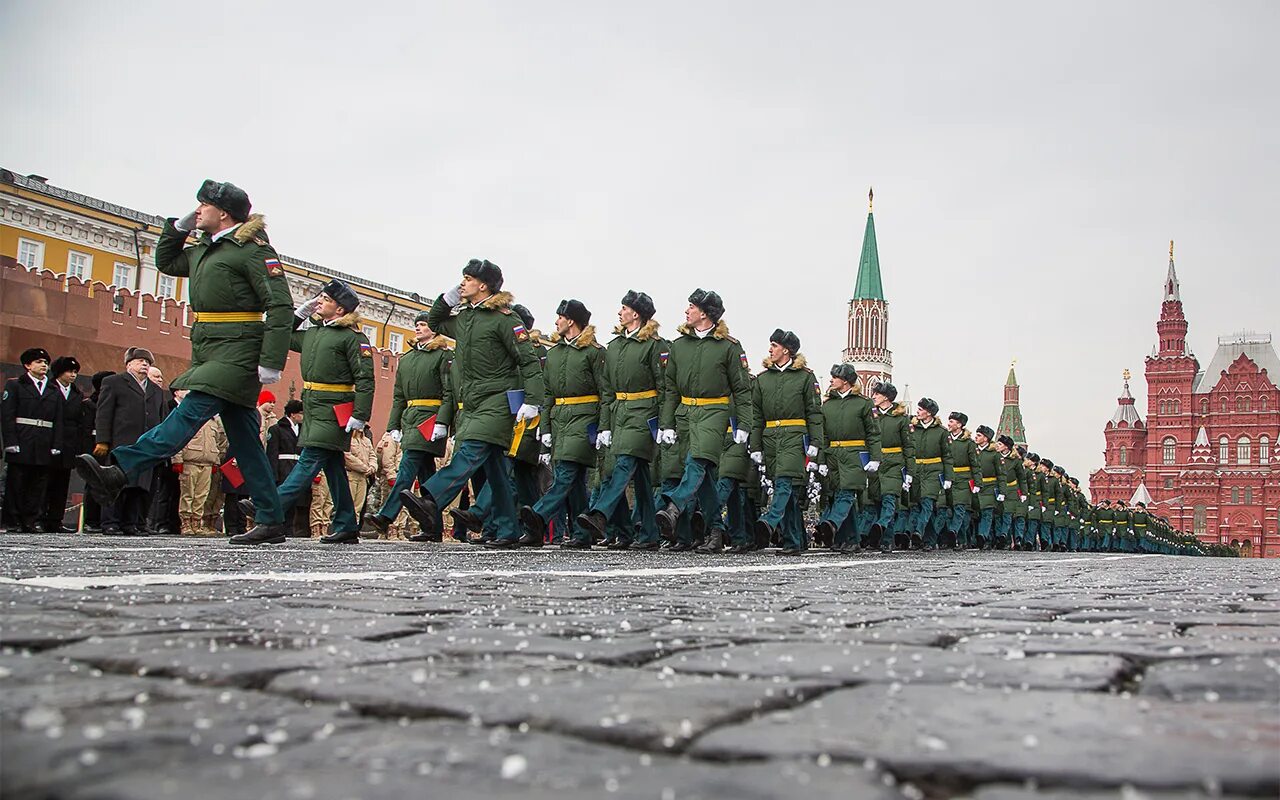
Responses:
[161,668]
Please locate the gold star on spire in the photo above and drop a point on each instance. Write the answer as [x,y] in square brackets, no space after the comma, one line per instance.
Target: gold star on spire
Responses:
[871,196]
[1127,376]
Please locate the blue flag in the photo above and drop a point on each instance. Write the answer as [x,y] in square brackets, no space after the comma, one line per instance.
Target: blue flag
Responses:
[865,458]
[515,399]
[593,430]
[653,428]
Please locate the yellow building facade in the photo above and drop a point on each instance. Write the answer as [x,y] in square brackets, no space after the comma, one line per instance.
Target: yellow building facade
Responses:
[43,226]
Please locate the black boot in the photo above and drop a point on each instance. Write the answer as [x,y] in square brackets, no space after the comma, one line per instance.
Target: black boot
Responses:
[764,533]
[714,542]
[246,508]
[423,510]
[105,483]
[825,534]
[667,519]
[535,529]
[262,534]
[380,523]
[643,546]
[341,537]
[465,520]
[594,522]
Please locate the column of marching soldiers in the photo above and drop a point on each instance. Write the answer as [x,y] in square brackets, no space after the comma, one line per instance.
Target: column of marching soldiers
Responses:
[651,443]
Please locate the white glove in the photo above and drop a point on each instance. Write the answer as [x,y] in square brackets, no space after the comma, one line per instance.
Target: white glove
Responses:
[438,432]
[946,484]
[354,424]
[757,457]
[526,412]
[823,469]
[976,488]
[872,466]
[906,485]
[13,448]
[55,451]
[604,439]
[308,308]
[546,440]
[453,296]
[267,375]
[395,435]
[741,436]
[812,451]
[811,466]
[1000,498]
[667,436]
[1031,508]
[545,458]
[187,223]
[907,480]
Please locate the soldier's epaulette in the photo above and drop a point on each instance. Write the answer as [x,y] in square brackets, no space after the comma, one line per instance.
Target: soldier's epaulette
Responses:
[731,339]
[260,242]
[506,310]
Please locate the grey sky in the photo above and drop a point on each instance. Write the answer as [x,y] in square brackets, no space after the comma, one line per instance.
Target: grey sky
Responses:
[1030,162]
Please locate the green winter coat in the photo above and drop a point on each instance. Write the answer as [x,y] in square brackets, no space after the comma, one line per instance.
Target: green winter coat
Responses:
[989,481]
[493,354]
[423,374]
[573,370]
[845,422]
[530,448]
[633,365]
[897,448]
[337,353]
[965,469]
[933,463]
[240,272]
[1035,493]
[1018,491]
[787,395]
[1009,486]
[1052,501]
[713,367]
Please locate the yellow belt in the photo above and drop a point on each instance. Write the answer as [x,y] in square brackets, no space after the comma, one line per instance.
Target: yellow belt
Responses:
[929,460]
[459,406]
[1053,499]
[961,469]
[328,387]
[577,401]
[1139,524]
[230,316]
[705,401]
[784,423]
[988,480]
[890,449]
[848,443]
[636,395]
[423,403]
[1011,483]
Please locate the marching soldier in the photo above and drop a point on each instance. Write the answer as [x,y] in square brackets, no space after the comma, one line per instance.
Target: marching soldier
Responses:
[631,398]
[1013,491]
[933,474]
[239,341]
[705,368]
[967,473]
[1053,498]
[1123,533]
[988,477]
[421,393]
[337,399]
[493,363]
[852,447]
[1141,521]
[897,448]
[573,379]
[786,436]
[1036,536]
[735,472]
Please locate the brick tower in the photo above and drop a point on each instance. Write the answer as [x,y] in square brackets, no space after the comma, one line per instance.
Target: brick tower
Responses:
[1011,415]
[868,333]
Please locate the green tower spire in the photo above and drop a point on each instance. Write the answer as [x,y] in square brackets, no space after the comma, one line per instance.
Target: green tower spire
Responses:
[1011,415]
[869,286]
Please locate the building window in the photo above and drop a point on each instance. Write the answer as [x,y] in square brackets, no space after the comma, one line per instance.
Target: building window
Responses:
[1177,406]
[1224,405]
[1168,483]
[370,333]
[1124,455]
[1264,450]
[1262,403]
[1170,446]
[395,341]
[1235,495]
[1248,495]
[122,275]
[1199,521]
[30,253]
[79,265]
[1224,448]
[1243,451]
[167,286]
[1160,408]
[1204,406]
[1243,404]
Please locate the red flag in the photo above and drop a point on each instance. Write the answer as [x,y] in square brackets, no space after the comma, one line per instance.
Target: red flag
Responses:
[232,473]
[427,426]
[343,412]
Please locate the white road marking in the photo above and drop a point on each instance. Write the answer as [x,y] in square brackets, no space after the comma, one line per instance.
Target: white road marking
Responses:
[110,581]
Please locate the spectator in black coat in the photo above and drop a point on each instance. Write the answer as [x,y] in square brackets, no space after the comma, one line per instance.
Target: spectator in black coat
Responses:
[93,511]
[128,406]
[77,433]
[282,454]
[31,427]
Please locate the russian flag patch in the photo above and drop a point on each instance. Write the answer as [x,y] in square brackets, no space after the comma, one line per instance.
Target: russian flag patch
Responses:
[274,267]
[366,350]
[520,333]
[663,356]
[743,358]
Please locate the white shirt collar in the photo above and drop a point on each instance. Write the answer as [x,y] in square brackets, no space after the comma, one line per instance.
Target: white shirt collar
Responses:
[844,394]
[703,334]
[66,390]
[217,236]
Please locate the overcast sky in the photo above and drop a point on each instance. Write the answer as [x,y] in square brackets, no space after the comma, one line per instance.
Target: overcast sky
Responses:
[1031,162]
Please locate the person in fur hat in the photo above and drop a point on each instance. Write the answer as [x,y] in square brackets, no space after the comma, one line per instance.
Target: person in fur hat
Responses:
[77,438]
[706,370]
[786,437]
[239,341]
[852,446]
[934,474]
[987,485]
[897,465]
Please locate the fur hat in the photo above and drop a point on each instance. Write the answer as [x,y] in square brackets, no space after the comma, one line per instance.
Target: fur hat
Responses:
[930,405]
[886,390]
[640,303]
[63,364]
[488,273]
[1006,440]
[845,372]
[421,316]
[709,302]
[576,311]
[1034,458]
[959,416]
[293,407]
[342,294]
[1044,462]
[226,196]
[34,354]
[99,377]
[139,352]
[986,431]
[525,315]
[786,339]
